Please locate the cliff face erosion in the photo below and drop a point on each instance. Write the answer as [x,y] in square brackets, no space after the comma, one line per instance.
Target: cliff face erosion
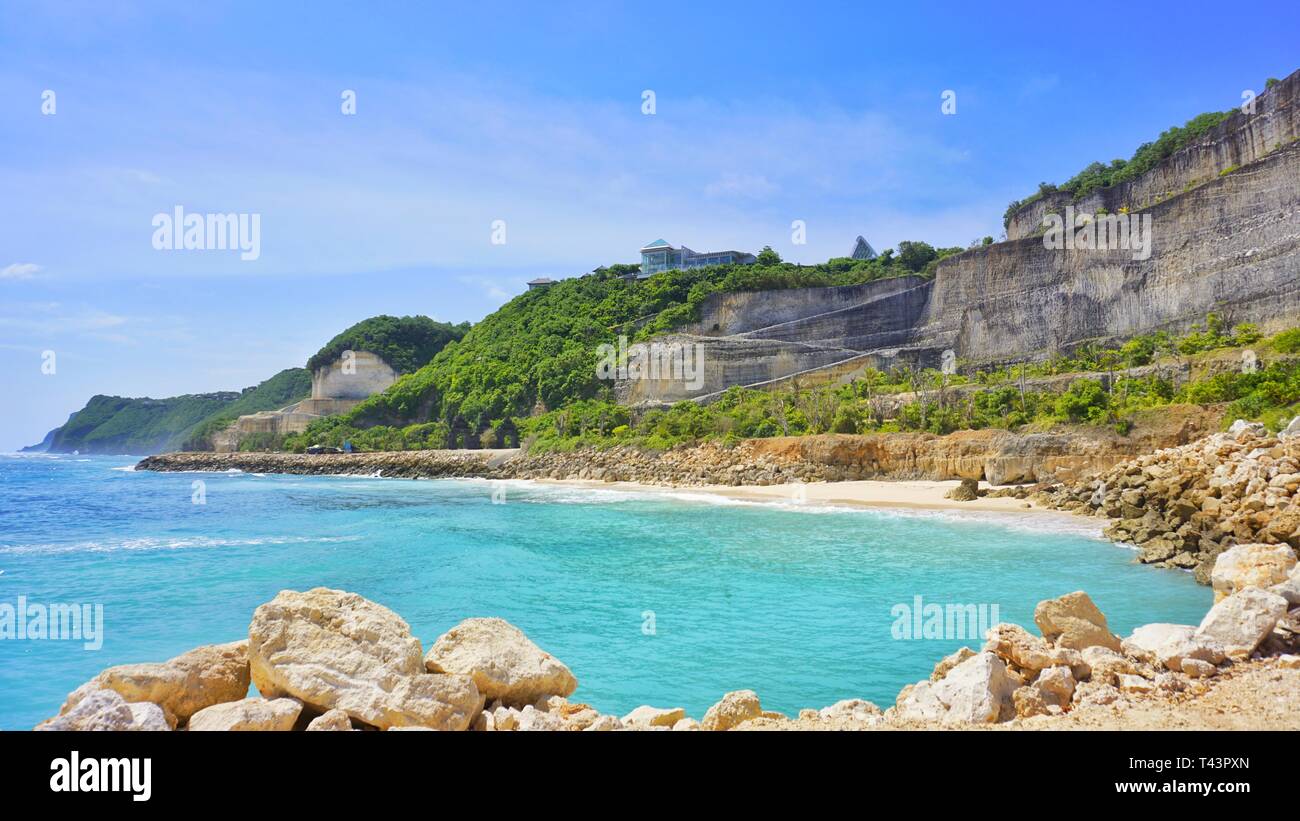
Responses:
[1225,237]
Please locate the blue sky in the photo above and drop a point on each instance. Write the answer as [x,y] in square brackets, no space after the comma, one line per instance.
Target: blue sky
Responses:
[532,114]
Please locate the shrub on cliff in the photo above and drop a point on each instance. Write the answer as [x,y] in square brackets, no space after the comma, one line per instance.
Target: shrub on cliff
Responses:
[1097,175]
[1287,341]
[1084,401]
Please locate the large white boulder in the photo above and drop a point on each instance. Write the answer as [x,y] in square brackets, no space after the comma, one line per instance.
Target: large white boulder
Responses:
[1242,429]
[1251,565]
[106,710]
[1169,644]
[501,660]
[337,650]
[1241,621]
[978,690]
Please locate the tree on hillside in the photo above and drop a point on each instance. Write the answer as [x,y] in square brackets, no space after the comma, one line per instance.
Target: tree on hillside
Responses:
[916,255]
[768,257]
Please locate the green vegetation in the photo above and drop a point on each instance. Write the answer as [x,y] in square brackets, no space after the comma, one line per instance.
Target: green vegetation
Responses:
[933,403]
[541,347]
[405,343]
[1099,175]
[117,424]
[1287,341]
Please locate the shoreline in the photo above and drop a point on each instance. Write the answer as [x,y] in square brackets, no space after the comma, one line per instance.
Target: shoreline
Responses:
[884,494]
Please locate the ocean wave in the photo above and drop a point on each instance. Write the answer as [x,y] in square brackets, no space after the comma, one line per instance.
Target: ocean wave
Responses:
[533,492]
[165,543]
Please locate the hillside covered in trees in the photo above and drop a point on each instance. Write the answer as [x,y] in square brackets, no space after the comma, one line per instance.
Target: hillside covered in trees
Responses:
[539,350]
[119,424]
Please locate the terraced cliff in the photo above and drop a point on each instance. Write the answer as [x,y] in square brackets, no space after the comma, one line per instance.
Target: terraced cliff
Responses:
[1225,238]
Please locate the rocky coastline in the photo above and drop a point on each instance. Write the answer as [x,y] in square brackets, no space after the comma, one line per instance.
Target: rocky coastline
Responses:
[329,660]
[997,456]
[1184,506]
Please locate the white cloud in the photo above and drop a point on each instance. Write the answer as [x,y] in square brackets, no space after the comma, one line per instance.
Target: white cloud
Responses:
[19,270]
[416,180]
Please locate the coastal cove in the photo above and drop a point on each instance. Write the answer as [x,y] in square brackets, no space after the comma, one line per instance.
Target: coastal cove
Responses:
[650,595]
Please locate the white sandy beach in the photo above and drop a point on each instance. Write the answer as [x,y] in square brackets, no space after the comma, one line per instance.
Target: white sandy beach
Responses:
[908,494]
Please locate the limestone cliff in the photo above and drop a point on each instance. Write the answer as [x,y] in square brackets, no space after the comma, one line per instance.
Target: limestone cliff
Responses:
[1225,237]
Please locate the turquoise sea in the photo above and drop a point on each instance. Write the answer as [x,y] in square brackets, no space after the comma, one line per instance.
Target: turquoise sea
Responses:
[668,599]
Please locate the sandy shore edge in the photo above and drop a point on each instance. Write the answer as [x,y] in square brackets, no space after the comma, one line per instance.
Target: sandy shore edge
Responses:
[903,494]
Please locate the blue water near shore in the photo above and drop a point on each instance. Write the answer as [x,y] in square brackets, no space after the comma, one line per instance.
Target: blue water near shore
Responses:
[792,601]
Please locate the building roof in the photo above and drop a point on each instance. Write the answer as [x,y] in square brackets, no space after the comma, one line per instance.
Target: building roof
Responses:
[863,250]
[541,281]
[657,245]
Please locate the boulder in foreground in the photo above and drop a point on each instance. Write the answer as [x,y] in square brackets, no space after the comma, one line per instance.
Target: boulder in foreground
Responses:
[978,690]
[277,714]
[734,709]
[337,650]
[1073,621]
[502,662]
[1242,621]
[181,686]
[1251,565]
[106,710]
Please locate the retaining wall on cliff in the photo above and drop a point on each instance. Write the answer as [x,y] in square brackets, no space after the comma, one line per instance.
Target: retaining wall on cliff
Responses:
[739,312]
